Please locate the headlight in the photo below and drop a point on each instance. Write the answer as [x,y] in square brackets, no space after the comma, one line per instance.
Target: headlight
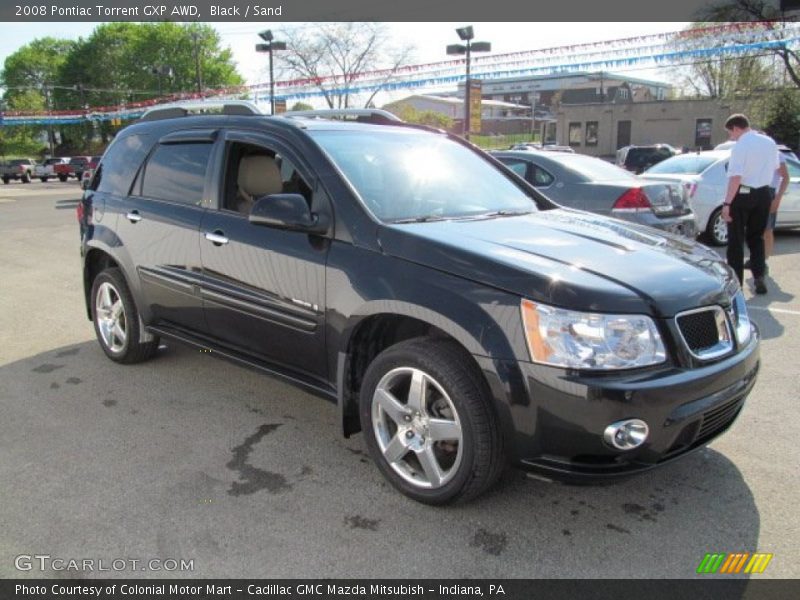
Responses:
[566,338]
[741,321]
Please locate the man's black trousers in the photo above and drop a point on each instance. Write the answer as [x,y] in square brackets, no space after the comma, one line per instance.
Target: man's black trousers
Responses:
[749,212]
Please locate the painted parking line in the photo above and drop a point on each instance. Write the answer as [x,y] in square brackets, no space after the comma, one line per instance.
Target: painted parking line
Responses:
[784,311]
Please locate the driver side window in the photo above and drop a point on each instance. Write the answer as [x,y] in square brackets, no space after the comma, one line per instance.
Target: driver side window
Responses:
[255,171]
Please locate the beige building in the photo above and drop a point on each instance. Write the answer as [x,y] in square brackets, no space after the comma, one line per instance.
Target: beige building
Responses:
[600,129]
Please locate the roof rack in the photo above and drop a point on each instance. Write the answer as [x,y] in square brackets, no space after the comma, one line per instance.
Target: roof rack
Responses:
[184,109]
[365,115]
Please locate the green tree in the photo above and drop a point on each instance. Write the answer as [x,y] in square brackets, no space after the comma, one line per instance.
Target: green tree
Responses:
[301,106]
[783,117]
[30,76]
[431,118]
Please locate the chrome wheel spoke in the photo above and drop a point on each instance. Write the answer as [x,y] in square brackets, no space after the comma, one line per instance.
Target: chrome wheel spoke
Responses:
[416,392]
[105,297]
[395,450]
[431,466]
[116,309]
[391,405]
[119,333]
[442,429]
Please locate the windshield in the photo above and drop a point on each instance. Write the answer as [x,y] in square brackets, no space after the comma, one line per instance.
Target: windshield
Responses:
[19,161]
[594,169]
[412,175]
[52,161]
[685,164]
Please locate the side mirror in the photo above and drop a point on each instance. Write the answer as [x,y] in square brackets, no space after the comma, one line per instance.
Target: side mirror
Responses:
[287,211]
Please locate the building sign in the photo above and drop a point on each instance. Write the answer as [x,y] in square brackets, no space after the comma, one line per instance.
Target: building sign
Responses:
[280,106]
[474,106]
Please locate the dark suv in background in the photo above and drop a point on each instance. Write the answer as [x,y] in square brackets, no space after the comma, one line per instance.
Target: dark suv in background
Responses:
[640,158]
[456,316]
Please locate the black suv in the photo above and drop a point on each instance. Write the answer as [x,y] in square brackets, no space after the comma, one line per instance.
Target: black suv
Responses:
[455,315]
[640,158]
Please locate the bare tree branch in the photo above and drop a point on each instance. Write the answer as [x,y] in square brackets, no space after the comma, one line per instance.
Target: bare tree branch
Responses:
[334,55]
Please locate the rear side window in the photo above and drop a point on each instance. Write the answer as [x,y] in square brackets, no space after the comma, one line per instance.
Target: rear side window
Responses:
[518,166]
[120,163]
[177,173]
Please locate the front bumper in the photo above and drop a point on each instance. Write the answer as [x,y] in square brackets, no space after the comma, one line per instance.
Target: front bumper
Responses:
[553,419]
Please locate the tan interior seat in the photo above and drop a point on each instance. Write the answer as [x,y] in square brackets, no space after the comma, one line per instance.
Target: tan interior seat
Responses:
[258,176]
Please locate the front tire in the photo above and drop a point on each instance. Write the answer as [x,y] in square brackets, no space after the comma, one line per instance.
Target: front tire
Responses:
[116,320]
[428,422]
[717,229]
[43,179]
[62,178]
[26,178]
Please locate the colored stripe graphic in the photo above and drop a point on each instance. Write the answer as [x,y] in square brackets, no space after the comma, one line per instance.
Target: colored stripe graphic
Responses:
[733,563]
[710,563]
[758,563]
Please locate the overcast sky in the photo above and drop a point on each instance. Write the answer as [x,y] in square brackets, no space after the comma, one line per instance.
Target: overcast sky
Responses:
[428,39]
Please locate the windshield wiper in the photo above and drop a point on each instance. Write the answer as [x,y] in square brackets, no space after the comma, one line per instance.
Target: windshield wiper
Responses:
[498,213]
[423,219]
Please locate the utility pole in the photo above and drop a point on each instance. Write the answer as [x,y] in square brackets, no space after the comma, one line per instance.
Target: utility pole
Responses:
[198,74]
[48,102]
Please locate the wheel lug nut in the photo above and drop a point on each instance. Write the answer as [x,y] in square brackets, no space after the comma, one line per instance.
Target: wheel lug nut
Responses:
[409,434]
[407,418]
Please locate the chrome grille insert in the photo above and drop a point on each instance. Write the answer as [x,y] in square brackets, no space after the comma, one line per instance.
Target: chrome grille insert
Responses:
[706,332]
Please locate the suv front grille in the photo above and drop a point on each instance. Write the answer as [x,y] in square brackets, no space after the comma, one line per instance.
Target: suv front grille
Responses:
[706,332]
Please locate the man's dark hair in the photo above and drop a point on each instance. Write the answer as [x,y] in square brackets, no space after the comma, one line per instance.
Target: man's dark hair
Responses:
[737,120]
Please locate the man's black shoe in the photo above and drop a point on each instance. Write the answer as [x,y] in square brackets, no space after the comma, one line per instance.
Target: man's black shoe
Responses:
[761,288]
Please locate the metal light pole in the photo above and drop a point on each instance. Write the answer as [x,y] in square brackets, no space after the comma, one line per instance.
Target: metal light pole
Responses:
[467,34]
[269,47]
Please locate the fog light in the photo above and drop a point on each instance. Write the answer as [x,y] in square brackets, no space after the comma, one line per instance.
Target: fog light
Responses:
[627,434]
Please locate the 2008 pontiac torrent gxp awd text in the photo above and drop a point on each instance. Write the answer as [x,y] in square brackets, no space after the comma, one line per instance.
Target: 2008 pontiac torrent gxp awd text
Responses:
[457,317]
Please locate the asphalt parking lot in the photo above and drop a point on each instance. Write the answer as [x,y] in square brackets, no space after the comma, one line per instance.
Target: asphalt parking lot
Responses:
[189,457]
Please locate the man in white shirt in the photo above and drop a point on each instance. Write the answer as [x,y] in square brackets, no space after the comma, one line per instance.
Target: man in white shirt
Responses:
[754,160]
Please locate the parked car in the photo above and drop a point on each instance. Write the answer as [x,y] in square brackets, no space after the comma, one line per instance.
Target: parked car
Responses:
[46,170]
[705,177]
[75,168]
[453,313]
[588,183]
[17,168]
[783,149]
[542,148]
[640,158]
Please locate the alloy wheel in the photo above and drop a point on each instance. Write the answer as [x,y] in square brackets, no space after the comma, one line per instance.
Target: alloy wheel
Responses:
[111,319]
[417,428]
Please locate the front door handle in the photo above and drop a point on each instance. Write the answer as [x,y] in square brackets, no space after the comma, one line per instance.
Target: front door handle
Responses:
[134,216]
[217,238]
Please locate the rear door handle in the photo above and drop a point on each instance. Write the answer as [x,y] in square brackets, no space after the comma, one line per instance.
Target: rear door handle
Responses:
[134,216]
[217,238]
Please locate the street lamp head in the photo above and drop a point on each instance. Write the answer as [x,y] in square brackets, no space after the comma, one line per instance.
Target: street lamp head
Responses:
[266,35]
[456,49]
[278,45]
[262,47]
[465,33]
[481,47]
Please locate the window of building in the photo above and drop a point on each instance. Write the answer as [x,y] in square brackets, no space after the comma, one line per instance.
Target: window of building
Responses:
[177,173]
[591,133]
[623,93]
[575,134]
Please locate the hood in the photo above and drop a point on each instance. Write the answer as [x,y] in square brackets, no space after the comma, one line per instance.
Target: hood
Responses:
[570,259]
